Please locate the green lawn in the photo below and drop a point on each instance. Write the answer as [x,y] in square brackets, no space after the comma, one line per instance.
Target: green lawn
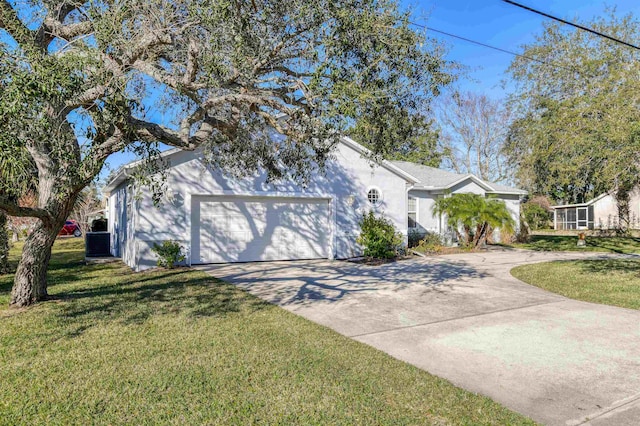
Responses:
[569,243]
[611,282]
[179,347]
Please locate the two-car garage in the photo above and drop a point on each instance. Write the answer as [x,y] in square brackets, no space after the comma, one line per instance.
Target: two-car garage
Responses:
[252,228]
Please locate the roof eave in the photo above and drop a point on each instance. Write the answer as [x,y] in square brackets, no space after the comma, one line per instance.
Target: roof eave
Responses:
[587,204]
[480,182]
[124,172]
[519,192]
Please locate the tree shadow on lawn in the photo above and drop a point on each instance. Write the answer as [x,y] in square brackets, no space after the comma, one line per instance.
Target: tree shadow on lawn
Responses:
[137,297]
[565,242]
[607,266]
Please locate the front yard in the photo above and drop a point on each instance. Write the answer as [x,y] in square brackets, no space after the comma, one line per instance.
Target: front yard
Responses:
[593,243]
[613,282]
[180,347]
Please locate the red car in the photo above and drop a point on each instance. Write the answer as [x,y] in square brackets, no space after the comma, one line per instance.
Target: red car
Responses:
[71,227]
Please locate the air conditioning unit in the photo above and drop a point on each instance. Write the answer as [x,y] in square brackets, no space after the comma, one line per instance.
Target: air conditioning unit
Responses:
[97,244]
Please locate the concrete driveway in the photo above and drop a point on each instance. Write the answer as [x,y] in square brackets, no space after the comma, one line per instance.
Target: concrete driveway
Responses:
[466,319]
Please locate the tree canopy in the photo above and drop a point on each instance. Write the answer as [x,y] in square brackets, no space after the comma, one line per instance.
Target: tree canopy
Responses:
[474,129]
[82,80]
[577,132]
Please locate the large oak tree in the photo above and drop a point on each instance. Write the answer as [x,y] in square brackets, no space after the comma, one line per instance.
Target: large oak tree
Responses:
[578,130]
[82,80]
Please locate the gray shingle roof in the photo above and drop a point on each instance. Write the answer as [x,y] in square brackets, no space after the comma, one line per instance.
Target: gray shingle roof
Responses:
[441,179]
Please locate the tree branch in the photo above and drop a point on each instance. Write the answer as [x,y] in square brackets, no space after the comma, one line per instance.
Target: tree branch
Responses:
[95,158]
[10,207]
[192,64]
[66,32]
[167,79]
[52,25]
[151,132]
[85,99]
[11,23]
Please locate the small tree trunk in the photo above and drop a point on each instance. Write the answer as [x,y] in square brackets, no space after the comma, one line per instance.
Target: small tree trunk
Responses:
[4,244]
[481,235]
[30,282]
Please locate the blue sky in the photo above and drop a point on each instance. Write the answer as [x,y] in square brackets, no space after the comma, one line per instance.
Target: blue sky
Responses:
[491,22]
[502,25]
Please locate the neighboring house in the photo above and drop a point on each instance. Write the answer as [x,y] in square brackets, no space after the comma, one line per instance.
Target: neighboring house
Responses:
[599,213]
[219,219]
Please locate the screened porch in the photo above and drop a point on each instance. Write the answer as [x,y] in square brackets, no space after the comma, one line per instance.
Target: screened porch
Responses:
[573,217]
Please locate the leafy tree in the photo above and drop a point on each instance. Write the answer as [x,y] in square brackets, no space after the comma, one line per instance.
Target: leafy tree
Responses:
[578,130]
[417,144]
[16,178]
[475,215]
[88,202]
[536,216]
[82,80]
[474,130]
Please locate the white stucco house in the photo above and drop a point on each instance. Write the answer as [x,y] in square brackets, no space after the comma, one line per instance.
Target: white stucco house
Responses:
[221,219]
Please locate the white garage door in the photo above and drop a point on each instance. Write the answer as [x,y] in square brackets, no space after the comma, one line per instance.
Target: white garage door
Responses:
[247,229]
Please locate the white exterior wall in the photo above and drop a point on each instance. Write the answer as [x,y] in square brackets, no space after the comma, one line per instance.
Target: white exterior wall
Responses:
[427,222]
[122,225]
[513,205]
[605,210]
[348,179]
[426,199]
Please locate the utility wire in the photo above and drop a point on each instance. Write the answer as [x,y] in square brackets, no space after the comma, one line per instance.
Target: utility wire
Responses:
[499,49]
[589,30]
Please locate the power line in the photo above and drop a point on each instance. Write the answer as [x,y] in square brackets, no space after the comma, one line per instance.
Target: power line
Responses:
[592,31]
[499,49]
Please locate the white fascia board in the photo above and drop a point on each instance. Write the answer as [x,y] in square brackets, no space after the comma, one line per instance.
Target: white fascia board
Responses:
[518,192]
[565,206]
[483,184]
[587,204]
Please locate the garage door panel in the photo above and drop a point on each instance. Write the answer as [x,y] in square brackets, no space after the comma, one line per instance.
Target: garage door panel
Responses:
[246,229]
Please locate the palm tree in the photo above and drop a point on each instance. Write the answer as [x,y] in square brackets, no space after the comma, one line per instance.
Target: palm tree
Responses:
[16,179]
[475,215]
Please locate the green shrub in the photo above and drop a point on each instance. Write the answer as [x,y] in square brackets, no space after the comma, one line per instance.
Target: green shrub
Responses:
[536,216]
[413,238]
[169,253]
[430,243]
[379,237]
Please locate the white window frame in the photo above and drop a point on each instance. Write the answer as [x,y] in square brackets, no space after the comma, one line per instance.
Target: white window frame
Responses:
[378,200]
[415,212]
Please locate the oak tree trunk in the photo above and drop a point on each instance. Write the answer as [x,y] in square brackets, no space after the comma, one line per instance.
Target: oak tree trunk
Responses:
[30,282]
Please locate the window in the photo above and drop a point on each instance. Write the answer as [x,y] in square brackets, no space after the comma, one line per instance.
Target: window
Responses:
[373,196]
[412,210]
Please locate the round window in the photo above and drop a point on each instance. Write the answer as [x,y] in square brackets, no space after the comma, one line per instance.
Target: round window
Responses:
[373,196]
